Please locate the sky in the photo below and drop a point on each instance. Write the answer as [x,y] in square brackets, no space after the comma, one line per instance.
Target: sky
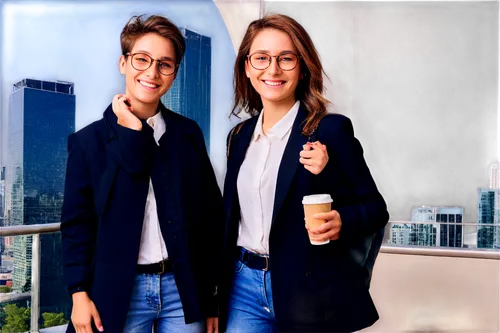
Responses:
[56,40]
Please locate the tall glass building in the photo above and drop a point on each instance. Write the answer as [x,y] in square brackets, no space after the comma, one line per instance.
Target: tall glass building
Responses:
[443,228]
[2,210]
[41,116]
[488,216]
[190,92]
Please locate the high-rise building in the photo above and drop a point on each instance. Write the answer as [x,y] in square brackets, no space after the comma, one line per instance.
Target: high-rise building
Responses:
[488,216]
[495,175]
[41,116]
[443,228]
[190,92]
[450,226]
[2,209]
[423,234]
[400,234]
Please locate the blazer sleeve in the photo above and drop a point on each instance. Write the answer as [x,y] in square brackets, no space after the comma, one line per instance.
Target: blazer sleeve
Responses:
[361,206]
[212,234]
[78,221]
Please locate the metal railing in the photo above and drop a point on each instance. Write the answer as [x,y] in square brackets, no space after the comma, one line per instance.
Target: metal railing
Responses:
[36,230]
[441,252]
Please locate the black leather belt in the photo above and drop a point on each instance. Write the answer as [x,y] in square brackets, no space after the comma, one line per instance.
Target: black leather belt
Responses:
[253,260]
[161,267]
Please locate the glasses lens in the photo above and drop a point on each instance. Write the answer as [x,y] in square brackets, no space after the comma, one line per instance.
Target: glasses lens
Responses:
[167,67]
[287,62]
[260,60]
[141,61]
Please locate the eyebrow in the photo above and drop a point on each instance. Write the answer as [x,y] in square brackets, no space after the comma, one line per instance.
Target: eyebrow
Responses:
[149,54]
[267,52]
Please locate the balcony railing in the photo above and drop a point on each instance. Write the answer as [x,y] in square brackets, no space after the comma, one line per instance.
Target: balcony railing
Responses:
[416,289]
[36,230]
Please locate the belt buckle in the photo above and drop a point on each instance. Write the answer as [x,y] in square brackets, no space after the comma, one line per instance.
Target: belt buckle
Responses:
[267,264]
[162,266]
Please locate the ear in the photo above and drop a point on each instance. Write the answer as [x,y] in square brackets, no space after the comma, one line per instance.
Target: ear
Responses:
[122,64]
[247,69]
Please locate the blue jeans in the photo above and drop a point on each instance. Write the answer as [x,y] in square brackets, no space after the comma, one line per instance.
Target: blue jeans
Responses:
[155,301]
[251,304]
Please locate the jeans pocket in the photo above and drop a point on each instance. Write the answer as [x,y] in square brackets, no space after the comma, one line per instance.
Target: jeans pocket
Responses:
[238,267]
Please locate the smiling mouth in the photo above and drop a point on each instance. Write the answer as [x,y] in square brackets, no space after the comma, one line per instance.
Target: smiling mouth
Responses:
[148,85]
[274,83]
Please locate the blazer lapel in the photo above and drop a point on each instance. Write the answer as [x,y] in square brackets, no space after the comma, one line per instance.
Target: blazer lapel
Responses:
[289,161]
[239,146]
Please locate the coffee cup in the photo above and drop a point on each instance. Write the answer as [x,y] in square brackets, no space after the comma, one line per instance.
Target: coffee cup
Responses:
[316,203]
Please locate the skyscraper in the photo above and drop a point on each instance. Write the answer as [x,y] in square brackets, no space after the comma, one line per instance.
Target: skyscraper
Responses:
[400,234]
[443,228]
[190,92]
[495,175]
[2,208]
[423,234]
[41,116]
[488,216]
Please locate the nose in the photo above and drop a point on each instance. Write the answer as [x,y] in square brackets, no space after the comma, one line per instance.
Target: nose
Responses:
[273,66]
[153,70]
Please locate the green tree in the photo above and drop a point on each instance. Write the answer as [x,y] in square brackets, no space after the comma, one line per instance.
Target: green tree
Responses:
[3,316]
[53,319]
[17,320]
[5,289]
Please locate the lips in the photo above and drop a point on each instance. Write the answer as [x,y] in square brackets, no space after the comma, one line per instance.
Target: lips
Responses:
[273,83]
[148,84]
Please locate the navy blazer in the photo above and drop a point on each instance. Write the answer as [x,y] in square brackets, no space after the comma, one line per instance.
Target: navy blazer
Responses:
[107,181]
[315,288]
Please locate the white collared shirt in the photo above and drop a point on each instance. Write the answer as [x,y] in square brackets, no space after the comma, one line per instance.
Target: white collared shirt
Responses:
[257,181]
[152,248]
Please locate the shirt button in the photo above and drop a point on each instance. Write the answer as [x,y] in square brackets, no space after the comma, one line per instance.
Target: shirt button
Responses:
[169,221]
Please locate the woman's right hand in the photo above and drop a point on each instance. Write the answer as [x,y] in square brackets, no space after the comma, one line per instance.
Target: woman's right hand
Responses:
[124,112]
[314,157]
[84,312]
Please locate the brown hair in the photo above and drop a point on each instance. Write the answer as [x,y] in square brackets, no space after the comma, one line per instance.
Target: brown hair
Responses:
[310,88]
[137,27]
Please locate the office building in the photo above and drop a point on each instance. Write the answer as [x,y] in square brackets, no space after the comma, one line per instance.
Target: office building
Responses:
[488,215]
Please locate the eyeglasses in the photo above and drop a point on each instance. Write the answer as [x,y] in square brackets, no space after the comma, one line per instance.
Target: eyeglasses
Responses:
[286,62]
[142,61]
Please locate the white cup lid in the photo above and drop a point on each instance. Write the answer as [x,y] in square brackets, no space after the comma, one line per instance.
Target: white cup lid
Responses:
[317,199]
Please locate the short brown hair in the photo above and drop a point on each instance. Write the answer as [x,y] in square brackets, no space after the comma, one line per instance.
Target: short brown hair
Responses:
[310,88]
[137,27]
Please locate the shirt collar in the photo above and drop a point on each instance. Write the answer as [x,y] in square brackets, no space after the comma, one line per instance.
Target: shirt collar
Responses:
[281,128]
[156,122]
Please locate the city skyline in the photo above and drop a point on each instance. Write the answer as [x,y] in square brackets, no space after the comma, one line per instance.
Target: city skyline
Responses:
[444,227]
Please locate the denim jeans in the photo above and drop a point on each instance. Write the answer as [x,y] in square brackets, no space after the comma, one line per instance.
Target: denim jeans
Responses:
[251,303]
[155,301]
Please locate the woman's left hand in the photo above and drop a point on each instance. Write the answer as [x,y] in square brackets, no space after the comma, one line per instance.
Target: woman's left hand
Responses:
[212,325]
[314,157]
[330,230]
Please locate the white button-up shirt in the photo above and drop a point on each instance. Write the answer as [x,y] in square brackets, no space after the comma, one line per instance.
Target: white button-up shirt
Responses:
[257,181]
[153,248]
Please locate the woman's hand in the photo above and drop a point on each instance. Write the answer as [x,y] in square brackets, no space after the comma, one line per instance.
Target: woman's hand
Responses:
[212,325]
[123,110]
[314,157]
[83,313]
[330,230]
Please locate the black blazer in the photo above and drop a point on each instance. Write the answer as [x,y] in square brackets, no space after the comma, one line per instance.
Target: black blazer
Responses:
[315,288]
[107,181]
